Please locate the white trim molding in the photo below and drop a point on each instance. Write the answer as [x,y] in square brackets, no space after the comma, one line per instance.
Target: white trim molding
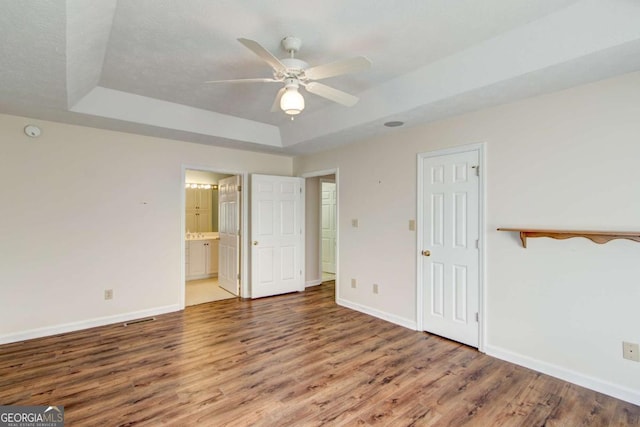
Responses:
[400,321]
[86,324]
[592,383]
[311,283]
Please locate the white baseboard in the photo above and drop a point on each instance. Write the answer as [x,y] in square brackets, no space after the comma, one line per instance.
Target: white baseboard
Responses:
[313,283]
[596,384]
[85,324]
[401,321]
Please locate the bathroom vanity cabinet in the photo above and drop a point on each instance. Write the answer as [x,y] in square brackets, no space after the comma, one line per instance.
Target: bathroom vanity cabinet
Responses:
[201,258]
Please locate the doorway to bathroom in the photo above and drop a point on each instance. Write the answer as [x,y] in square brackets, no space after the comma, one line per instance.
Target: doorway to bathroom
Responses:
[212,211]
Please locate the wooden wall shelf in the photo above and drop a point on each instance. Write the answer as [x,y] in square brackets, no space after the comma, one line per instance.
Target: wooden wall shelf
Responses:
[595,236]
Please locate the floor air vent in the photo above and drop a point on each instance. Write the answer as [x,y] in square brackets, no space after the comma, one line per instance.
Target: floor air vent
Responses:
[138,321]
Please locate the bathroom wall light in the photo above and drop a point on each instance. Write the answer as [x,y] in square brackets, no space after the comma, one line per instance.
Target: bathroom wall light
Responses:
[202,186]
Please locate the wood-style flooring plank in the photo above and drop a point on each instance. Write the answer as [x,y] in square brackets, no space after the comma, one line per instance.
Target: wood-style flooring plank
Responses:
[296,359]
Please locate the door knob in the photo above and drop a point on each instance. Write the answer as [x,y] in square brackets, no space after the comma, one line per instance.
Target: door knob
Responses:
[426,253]
[255,243]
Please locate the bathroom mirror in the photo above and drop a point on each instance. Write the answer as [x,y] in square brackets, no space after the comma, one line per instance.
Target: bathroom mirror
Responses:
[201,209]
[201,197]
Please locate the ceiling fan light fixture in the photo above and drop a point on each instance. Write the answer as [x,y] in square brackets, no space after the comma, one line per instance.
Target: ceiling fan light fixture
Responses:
[292,102]
[294,72]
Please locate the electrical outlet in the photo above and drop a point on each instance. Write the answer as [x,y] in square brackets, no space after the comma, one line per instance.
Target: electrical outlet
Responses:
[631,351]
[353,283]
[108,294]
[354,223]
[375,288]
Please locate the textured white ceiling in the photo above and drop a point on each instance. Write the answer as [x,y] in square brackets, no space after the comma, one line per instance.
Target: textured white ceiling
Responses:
[140,66]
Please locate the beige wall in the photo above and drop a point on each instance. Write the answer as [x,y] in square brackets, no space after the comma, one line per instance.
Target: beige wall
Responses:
[312,235]
[203,177]
[84,210]
[95,209]
[564,160]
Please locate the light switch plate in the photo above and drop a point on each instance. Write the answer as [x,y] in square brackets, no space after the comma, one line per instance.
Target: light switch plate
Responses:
[412,225]
[354,223]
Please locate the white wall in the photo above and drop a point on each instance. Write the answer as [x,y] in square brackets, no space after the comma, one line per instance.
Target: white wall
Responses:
[564,160]
[84,210]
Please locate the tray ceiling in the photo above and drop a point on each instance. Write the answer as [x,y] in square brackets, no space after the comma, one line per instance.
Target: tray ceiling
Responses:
[141,66]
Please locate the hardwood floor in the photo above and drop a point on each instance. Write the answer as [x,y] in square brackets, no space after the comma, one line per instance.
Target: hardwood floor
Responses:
[291,360]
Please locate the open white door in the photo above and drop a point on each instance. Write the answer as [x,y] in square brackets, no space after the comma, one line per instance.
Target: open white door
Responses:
[449,230]
[277,242]
[328,226]
[229,231]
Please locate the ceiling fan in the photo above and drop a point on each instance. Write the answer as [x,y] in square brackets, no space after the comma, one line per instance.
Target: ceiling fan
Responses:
[294,73]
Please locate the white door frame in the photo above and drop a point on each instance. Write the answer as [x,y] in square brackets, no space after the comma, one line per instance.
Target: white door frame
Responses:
[480,148]
[335,172]
[244,236]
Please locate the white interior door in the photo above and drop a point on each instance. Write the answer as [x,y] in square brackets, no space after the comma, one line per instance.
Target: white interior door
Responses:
[450,255]
[229,232]
[328,226]
[277,242]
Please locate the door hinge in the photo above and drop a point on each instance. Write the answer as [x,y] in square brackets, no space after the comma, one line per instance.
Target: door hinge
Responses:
[238,276]
[477,243]
[477,168]
[239,188]
[477,317]
[300,190]
[301,272]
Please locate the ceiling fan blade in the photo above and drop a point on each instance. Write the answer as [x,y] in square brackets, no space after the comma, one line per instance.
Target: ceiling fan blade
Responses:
[263,53]
[337,68]
[276,102]
[332,94]
[258,80]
